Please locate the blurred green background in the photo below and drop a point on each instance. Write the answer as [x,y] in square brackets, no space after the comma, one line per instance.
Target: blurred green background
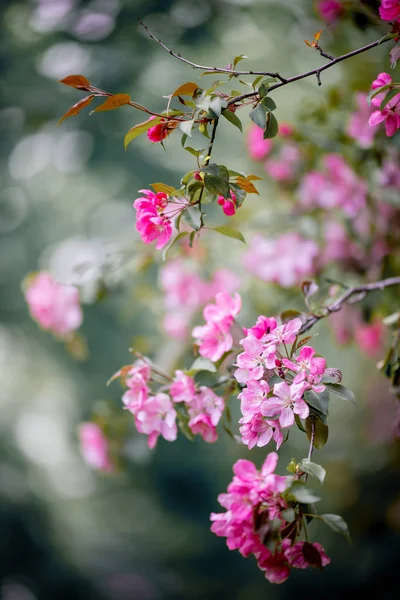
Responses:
[66,204]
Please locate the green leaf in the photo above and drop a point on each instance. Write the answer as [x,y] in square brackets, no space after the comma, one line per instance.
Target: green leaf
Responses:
[389,96]
[229,232]
[341,391]
[232,118]
[192,215]
[183,421]
[217,183]
[337,524]
[163,187]
[201,364]
[139,129]
[301,493]
[186,89]
[377,91]
[176,239]
[271,128]
[268,103]
[186,127]
[321,432]
[288,515]
[183,140]
[259,116]
[191,238]
[313,469]
[318,401]
[299,423]
[238,59]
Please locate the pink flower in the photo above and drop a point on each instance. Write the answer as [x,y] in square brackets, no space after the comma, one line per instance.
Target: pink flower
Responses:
[94,447]
[296,558]
[151,222]
[183,388]
[286,403]
[254,360]
[285,166]
[358,127]
[389,10]
[205,411]
[306,362]
[285,334]
[156,417]
[136,380]
[285,129]
[258,147]
[255,429]
[329,10]
[369,337]
[337,186]
[390,114]
[214,338]
[159,132]
[53,305]
[287,260]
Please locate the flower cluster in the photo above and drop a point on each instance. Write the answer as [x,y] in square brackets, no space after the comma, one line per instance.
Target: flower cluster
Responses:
[389,10]
[256,523]
[228,204]
[358,127]
[185,292]
[215,337]
[156,412]
[336,186]
[265,410]
[287,260]
[390,113]
[154,215]
[55,306]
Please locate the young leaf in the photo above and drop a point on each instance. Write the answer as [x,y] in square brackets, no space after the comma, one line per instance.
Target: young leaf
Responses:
[186,89]
[192,215]
[389,96]
[113,102]
[186,127]
[301,493]
[271,128]
[337,523]
[313,469]
[162,187]
[232,118]
[259,116]
[341,391]
[246,185]
[77,81]
[76,108]
[229,232]
[268,103]
[321,432]
[202,364]
[238,59]
[139,129]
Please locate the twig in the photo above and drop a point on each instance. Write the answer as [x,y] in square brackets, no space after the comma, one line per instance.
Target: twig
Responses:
[311,448]
[359,291]
[206,161]
[315,72]
[323,53]
[204,67]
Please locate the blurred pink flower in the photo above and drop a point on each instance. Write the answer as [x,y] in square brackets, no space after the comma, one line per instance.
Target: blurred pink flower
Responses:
[258,147]
[53,305]
[358,127]
[369,337]
[330,10]
[284,167]
[389,10]
[94,447]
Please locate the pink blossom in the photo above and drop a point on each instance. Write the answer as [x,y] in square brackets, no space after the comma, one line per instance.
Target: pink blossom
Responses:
[358,127]
[205,411]
[53,305]
[228,204]
[285,129]
[389,10]
[287,260]
[263,326]
[183,388]
[94,447]
[284,167]
[254,360]
[136,380]
[330,10]
[151,222]
[337,186]
[255,429]
[295,556]
[369,337]
[275,566]
[286,402]
[156,417]
[159,132]
[306,362]
[258,147]
[285,334]
[390,114]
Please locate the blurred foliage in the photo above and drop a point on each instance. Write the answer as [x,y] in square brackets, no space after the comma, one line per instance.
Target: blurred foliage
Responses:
[65,204]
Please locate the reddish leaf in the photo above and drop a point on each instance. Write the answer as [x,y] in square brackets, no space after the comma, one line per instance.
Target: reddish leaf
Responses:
[77,81]
[76,108]
[114,102]
[186,89]
[318,35]
[246,185]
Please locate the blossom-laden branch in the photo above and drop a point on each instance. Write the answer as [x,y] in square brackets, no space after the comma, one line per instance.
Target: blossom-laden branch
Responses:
[351,295]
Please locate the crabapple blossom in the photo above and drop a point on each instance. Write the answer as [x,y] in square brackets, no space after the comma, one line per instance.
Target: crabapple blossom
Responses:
[286,402]
[255,429]
[389,10]
[136,380]
[156,416]
[287,260]
[228,204]
[369,337]
[330,10]
[94,447]
[215,338]
[258,147]
[159,132]
[54,305]
[183,389]
[205,411]
[358,127]
[284,167]
[390,114]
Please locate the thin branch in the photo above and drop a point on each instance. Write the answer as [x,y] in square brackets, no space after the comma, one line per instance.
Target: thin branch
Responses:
[206,161]
[205,67]
[351,295]
[317,72]
[312,439]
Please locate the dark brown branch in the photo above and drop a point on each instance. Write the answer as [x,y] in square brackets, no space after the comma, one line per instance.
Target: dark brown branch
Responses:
[351,296]
[317,72]
[204,67]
